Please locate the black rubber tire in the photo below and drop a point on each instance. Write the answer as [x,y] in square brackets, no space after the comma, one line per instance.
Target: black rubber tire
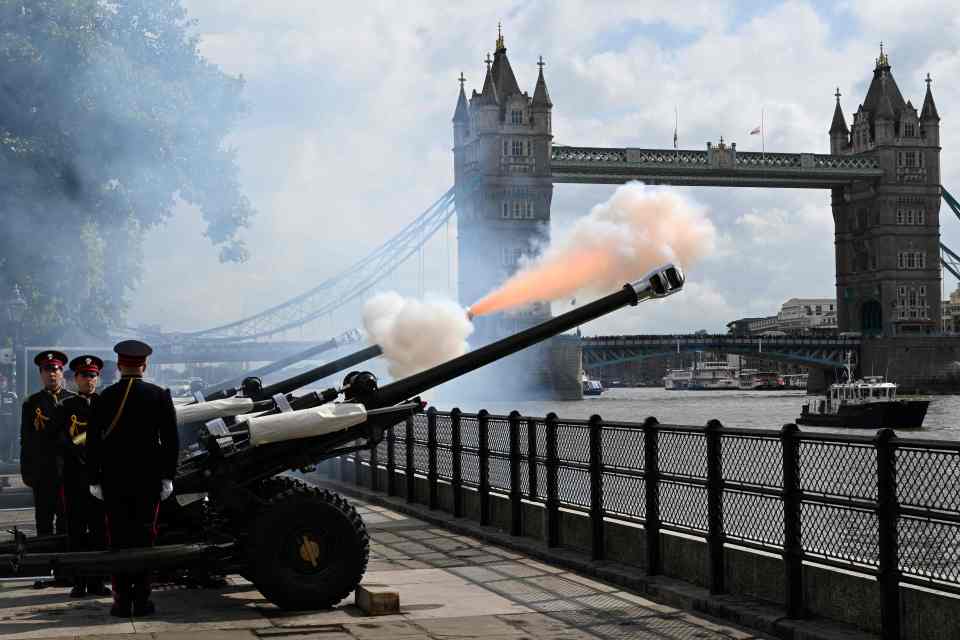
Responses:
[308,548]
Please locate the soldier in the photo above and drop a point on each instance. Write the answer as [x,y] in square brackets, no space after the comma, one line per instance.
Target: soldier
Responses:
[132,451]
[41,464]
[85,515]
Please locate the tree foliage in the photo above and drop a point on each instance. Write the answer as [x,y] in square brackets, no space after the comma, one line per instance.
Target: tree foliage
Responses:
[108,116]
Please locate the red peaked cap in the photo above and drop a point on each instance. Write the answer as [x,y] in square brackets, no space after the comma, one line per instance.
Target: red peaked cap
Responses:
[45,358]
[132,353]
[87,363]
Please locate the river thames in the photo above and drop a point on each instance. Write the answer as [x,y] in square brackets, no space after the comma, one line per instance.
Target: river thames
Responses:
[749,409]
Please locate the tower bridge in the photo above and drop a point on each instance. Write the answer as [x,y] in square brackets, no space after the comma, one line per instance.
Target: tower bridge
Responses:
[882,171]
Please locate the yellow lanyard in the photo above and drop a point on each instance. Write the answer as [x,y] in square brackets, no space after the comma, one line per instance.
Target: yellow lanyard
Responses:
[116,418]
[39,420]
[75,425]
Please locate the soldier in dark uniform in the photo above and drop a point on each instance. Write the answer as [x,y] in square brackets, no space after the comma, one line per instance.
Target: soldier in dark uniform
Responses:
[132,451]
[41,462]
[85,514]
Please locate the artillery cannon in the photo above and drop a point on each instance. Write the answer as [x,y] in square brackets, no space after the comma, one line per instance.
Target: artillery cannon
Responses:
[303,547]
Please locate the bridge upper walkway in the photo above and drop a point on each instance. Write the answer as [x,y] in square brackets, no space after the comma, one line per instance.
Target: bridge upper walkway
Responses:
[717,166]
[822,351]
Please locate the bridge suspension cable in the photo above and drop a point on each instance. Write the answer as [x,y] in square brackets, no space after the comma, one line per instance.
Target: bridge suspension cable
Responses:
[948,258]
[338,290]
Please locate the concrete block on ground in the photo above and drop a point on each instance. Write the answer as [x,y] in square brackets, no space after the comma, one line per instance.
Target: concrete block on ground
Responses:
[206,634]
[377,602]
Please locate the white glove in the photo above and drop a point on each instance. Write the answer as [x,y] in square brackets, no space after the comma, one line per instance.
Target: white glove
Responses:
[96,491]
[166,489]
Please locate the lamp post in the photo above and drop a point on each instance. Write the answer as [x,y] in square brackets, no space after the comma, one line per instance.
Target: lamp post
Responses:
[14,309]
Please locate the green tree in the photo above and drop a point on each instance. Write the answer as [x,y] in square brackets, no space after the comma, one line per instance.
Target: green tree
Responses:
[108,116]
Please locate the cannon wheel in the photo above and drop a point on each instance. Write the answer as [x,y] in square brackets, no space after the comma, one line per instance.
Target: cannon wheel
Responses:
[308,548]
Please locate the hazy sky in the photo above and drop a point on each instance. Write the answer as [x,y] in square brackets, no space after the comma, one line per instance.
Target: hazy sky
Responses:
[348,135]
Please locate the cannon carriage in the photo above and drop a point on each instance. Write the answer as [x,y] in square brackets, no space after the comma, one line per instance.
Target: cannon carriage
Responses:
[236,510]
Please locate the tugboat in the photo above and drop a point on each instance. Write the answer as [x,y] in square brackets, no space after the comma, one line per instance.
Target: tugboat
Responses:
[867,403]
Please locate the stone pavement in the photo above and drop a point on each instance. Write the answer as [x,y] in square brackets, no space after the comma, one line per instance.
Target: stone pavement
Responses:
[451,586]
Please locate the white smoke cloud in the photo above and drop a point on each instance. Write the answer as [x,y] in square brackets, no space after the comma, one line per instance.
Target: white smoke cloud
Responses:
[415,334]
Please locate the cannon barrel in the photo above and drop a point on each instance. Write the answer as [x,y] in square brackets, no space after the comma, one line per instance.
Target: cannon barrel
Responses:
[318,373]
[229,387]
[659,283]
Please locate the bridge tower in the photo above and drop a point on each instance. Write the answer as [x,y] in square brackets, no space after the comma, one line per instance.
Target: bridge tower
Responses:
[502,176]
[888,233]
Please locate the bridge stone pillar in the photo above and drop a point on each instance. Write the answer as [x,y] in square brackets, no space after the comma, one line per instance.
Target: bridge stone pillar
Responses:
[818,379]
[504,188]
[887,233]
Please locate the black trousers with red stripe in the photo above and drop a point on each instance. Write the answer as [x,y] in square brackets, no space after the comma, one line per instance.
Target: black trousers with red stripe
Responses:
[86,526]
[131,522]
[48,505]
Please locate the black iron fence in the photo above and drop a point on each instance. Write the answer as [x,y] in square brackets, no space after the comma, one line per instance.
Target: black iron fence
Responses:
[881,505]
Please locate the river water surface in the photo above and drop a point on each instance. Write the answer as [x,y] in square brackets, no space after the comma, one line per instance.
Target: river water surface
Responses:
[748,409]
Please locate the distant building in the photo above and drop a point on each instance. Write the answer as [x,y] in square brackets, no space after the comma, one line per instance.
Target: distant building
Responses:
[760,325]
[740,327]
[800,315]
[796,315]
[951,312]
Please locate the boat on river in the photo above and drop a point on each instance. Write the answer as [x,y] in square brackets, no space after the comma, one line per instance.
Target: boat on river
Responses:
[868,403]
[677,379]
[795,380]
[702,376]
[753,380]
[590,387]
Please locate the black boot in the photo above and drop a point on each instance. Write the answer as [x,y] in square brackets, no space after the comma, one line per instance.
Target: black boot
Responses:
[121,599]
[143,608]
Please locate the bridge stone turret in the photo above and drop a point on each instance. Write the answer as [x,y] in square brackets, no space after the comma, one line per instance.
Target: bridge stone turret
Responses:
[887,231]
[504,188]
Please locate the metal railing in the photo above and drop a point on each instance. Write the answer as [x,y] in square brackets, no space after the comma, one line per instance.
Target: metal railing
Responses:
[881,505]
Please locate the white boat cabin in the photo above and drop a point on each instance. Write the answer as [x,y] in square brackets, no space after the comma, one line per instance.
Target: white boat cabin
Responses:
[869,390]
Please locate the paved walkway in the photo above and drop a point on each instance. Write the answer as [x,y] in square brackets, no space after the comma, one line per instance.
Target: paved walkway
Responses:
[450,586]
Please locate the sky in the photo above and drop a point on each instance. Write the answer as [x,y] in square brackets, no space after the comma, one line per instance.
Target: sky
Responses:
[348,136]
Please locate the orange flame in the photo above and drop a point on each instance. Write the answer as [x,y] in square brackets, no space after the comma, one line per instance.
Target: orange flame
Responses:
[549,280]
[636,230]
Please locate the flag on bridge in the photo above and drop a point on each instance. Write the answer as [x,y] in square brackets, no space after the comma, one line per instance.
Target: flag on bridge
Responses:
[676,123]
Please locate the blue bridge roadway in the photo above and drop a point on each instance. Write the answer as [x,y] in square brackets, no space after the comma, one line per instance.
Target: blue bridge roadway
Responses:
[817,351]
